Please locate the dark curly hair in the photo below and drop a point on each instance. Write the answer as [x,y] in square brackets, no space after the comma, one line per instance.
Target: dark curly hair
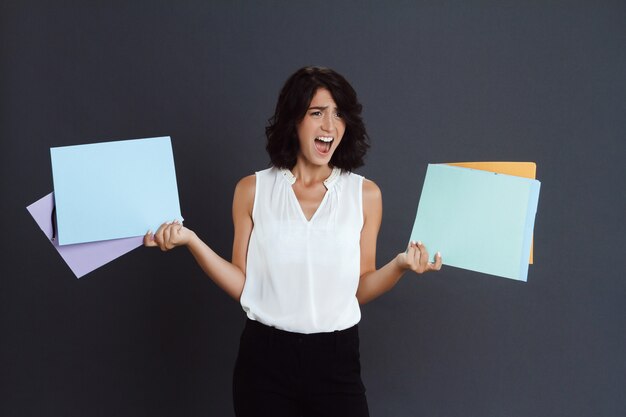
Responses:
[293,102]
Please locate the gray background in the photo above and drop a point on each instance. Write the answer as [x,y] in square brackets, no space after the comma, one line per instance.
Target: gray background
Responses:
[439,81]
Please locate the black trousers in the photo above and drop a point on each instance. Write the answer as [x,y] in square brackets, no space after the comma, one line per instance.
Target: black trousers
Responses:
[282,374]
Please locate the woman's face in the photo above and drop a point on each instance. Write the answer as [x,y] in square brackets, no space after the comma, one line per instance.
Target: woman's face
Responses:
[321,129]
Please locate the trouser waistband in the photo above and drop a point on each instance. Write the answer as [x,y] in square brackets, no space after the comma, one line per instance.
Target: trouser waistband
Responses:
[259,329]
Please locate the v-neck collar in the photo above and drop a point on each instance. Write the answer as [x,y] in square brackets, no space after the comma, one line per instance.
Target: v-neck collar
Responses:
[328,183]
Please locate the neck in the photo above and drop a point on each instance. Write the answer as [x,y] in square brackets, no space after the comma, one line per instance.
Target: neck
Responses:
[309,174]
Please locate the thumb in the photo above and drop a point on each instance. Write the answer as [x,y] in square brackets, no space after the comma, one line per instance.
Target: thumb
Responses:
[148,240]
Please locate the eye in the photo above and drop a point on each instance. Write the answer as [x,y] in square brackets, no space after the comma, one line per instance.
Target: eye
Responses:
[339,115]
[316,113]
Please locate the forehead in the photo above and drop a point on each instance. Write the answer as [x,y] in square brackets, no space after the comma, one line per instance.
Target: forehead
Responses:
[322,98]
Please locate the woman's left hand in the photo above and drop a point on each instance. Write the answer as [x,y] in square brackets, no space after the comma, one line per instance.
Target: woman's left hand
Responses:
[416,259]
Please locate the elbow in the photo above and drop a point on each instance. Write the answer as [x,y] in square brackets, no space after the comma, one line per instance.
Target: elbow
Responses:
[362,297]
[237,292]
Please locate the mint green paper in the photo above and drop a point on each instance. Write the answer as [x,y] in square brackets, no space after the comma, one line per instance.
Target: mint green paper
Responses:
[478,220]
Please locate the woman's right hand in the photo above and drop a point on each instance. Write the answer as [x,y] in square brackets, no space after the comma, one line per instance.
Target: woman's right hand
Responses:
[168,236]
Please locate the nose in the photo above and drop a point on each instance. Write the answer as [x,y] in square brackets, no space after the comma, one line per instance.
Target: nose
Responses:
[328,123]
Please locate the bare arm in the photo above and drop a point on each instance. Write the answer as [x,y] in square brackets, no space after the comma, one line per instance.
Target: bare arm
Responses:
[230,276]
[375,282]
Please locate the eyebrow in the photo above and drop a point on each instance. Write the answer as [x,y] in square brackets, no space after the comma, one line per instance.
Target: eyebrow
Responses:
[319,108]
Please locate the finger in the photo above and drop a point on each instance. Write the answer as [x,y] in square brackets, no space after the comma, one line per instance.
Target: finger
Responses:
[438,262]
[423,260]
[159,233]
[178,229]
[412,252]
[167,237]
[173,238]
[158,236]
[148,240]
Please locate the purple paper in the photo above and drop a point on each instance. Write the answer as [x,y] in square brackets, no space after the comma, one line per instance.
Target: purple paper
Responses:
[82,258]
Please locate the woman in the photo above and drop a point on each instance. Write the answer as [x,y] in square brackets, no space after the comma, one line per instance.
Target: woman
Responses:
[304,255]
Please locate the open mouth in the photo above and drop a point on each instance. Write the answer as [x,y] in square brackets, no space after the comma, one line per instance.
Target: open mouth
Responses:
[323,144]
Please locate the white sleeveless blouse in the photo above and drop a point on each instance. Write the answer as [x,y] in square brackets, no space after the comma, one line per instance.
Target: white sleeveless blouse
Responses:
[302,275]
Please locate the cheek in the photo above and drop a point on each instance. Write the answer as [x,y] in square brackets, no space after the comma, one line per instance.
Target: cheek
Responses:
[300,134]
[340,141]
[341,130]
[304,130]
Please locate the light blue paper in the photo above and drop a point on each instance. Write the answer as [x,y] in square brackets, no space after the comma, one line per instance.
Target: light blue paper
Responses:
[113,190]
[478,220]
